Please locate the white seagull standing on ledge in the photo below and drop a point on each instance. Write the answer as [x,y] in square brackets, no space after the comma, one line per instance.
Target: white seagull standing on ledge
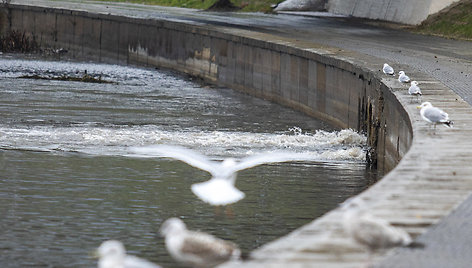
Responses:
[434,115]
[403,78]
[415,90]
[373,233]
[196,249]
[220,189]
[387,69]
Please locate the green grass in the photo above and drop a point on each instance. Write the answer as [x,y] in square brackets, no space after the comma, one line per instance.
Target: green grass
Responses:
[245,5]
[455,22]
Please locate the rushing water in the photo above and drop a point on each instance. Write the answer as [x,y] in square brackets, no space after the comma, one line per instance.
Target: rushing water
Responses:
[67,181]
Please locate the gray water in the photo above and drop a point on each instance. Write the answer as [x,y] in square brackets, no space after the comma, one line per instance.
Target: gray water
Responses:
[68,181]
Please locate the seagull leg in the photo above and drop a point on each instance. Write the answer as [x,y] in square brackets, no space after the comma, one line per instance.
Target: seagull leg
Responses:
[229,212]
[370,259]
[218,211]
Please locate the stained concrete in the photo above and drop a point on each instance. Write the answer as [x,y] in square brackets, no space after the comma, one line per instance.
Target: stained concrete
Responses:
[260,55]
[399,11]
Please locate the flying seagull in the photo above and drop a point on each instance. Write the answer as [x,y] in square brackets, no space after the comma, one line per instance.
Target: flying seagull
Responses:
[434,115]
[112,254]
[220,189]
[196,249]
[387,69]
[403,78]
[373,233]
[415,90]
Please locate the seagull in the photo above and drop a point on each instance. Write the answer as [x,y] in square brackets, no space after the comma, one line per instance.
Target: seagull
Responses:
[220,189]
[403,78]
[387,69]
[112,254]
[434,115]
[415,89]
[196,249]
[373,233]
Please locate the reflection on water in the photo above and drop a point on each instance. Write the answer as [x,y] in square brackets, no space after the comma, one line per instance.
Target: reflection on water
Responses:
[67,184]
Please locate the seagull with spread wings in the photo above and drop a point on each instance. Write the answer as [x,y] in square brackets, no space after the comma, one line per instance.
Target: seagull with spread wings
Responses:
[220,190]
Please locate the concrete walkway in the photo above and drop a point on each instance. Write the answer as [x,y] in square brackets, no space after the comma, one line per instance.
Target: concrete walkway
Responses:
[448,243]
[438,165]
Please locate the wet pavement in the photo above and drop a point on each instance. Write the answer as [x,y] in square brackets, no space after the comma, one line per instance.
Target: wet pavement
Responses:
[449,61]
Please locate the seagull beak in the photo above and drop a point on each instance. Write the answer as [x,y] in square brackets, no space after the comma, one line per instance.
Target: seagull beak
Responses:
[418,107]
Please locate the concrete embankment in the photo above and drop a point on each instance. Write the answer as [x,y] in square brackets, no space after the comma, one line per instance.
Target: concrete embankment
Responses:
[341,87]
[405,12]
[306,78]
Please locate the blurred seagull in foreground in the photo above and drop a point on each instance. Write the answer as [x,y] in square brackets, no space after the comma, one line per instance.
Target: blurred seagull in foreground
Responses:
[196,249]
[434,115]
[403,78]
[387,69]
[373,233]
[112,254]
[415,90]
[220,189]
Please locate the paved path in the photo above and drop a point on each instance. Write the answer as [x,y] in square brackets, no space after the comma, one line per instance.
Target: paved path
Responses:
[448,61]
[448,244]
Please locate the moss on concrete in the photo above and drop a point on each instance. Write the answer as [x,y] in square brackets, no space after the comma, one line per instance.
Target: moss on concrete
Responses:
[16,41]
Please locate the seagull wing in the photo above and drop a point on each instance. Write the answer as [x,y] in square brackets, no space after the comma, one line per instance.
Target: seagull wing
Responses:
[208,248]
[377,233]
[436,115]
[261,159]
[388,69]
[185,155]
[414,90]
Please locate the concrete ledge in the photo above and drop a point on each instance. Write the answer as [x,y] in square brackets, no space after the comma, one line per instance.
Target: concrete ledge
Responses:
[342,87]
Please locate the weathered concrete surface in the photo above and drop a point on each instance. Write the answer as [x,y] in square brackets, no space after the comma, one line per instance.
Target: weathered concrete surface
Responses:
[402,11]
[456,227]
[433,176]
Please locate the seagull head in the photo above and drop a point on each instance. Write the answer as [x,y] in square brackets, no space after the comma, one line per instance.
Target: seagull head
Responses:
[172,225]
[424,105]
[111,248]
[401,73]
[385,64]
[352,203]
[414,83]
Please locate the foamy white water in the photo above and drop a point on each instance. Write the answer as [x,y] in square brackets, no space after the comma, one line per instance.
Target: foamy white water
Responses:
[336,145]
[145,107]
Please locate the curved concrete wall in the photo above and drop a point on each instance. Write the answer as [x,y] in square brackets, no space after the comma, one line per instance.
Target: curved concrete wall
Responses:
[308,79]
